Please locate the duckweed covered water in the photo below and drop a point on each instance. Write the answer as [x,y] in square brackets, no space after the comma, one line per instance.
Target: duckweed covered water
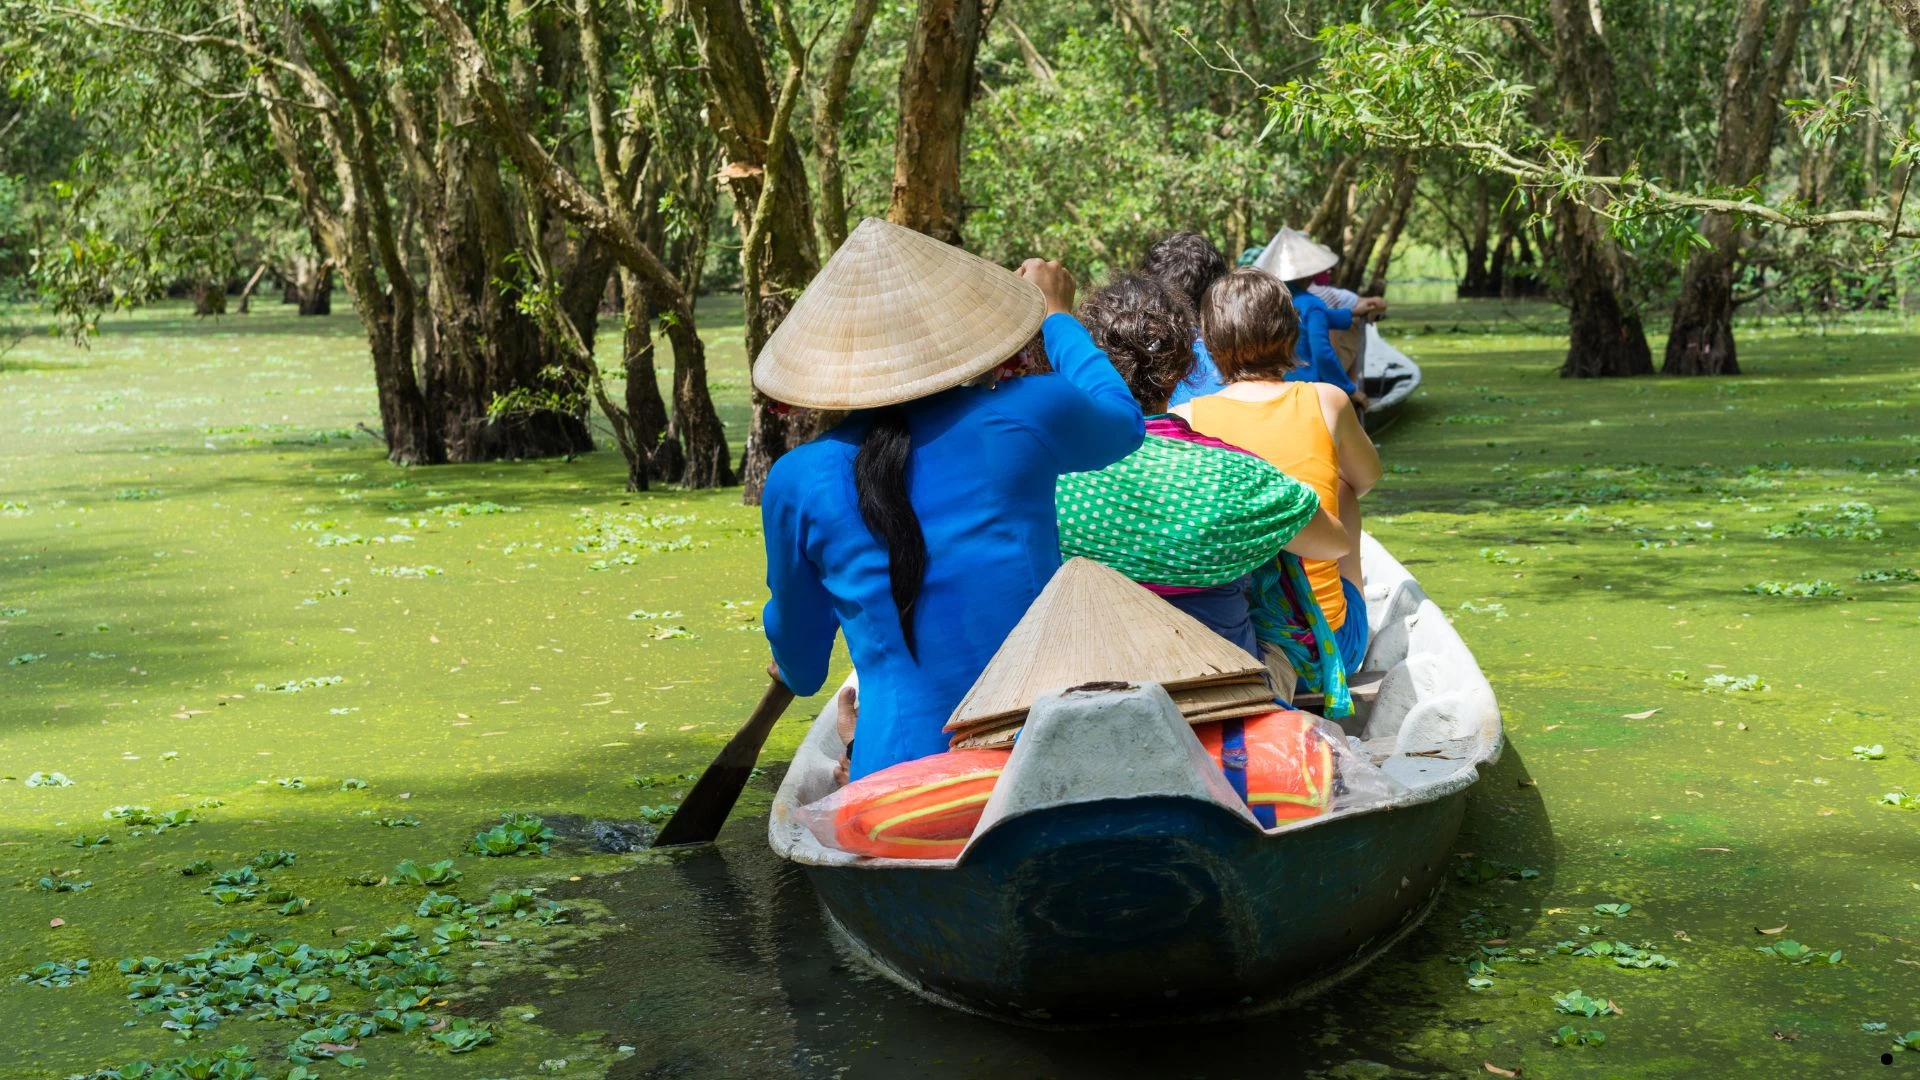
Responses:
[219,603]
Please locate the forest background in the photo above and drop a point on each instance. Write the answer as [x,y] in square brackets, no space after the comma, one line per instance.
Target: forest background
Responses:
[492,183]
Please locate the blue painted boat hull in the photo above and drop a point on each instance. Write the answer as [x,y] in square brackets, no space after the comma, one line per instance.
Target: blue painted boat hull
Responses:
[1146,909]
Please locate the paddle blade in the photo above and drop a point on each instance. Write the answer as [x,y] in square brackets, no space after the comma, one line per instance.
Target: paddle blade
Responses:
[706,807]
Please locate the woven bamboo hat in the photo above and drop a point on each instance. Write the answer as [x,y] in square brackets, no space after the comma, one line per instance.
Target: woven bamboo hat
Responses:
[894,316]
[1093,624]
[1293,255]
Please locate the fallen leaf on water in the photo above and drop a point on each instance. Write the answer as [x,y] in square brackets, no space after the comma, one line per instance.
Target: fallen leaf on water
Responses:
[1726,849]
[1498,1071]
[1495,941]
[1640,715]
[341,1048]
[1551,727]
[484,734]
[1909,963]
[406,795]
[55,924]
[1785,1036]
[686,727]
[338,930]
[1781,929]
[1696,794]
[435,638]
[1681,935]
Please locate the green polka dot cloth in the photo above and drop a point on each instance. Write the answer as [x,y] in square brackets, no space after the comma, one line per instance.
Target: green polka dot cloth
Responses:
[1181,513]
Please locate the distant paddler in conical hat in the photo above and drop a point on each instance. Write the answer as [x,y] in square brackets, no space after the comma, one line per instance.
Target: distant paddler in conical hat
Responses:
[1325,311]
[923,525]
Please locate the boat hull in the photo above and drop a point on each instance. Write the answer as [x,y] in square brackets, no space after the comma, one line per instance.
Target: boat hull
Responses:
[1142,910]
[1115,877]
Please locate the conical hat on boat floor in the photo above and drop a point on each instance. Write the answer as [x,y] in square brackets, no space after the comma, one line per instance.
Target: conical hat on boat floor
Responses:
[893,317]
[1093,624]
[1002,732]
[1197,704]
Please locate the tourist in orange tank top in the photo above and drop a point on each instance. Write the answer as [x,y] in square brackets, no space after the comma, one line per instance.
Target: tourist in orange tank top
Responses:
[1308,430]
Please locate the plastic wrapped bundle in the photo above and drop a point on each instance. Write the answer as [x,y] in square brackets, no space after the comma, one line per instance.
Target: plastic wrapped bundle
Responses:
[921,809]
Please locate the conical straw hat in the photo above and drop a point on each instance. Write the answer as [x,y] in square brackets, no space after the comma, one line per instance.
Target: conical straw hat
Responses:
[1293,255]
[1092,624]
[895,316]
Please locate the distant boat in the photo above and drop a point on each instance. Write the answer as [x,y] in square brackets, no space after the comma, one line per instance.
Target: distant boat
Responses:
[1110,882]
[1390,378]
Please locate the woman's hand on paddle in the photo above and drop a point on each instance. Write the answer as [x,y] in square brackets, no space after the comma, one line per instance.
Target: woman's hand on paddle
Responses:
[1055,282]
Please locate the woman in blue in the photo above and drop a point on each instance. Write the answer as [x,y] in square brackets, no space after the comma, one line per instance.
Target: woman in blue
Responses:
[1294,258]
[923,525]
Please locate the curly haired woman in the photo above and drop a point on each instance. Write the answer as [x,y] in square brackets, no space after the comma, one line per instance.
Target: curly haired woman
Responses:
[1189,517]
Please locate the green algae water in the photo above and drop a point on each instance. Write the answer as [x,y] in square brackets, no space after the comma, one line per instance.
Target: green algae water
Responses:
[232,632]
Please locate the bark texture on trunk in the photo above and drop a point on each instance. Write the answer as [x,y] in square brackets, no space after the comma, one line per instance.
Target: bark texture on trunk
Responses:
[1607,339]
[829,109]
[1700,339]
[935,86]
[1606,336]
[741,110]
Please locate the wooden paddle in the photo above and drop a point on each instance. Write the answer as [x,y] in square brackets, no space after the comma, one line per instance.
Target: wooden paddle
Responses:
[706,807]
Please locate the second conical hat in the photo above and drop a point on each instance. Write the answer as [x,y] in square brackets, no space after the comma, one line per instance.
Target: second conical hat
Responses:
[1294,255]
[894,316]
[1093,624]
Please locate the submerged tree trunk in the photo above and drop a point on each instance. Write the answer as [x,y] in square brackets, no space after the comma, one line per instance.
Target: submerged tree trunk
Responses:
[209,297]
[1478,278]
[935,87]
[1607,340]
[1606,337]
[309,283]
[1700,340]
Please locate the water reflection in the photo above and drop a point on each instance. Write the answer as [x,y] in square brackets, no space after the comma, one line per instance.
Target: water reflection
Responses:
[726,968]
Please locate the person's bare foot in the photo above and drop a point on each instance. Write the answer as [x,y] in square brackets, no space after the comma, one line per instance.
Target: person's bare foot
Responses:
[848,704]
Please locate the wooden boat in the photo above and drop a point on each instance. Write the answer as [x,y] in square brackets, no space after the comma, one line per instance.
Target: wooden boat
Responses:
[1390,379]
[1114,879]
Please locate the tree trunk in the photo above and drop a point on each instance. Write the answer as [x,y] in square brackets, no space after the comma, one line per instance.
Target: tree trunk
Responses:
[1906,13]
[1402,204]
[829,108]
[1351,273]
[1700,340]
[935,85]
[310,285]
[1479,280]
[741,111]
[246,291]
[1329,217]
[209,297]
[1606,339]
[646,411]
[1605,335]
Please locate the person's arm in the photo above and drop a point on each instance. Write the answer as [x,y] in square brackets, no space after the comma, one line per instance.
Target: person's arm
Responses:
[799,619]
[1323,538]
[1097,422]
[1320,355]
[1359,460]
